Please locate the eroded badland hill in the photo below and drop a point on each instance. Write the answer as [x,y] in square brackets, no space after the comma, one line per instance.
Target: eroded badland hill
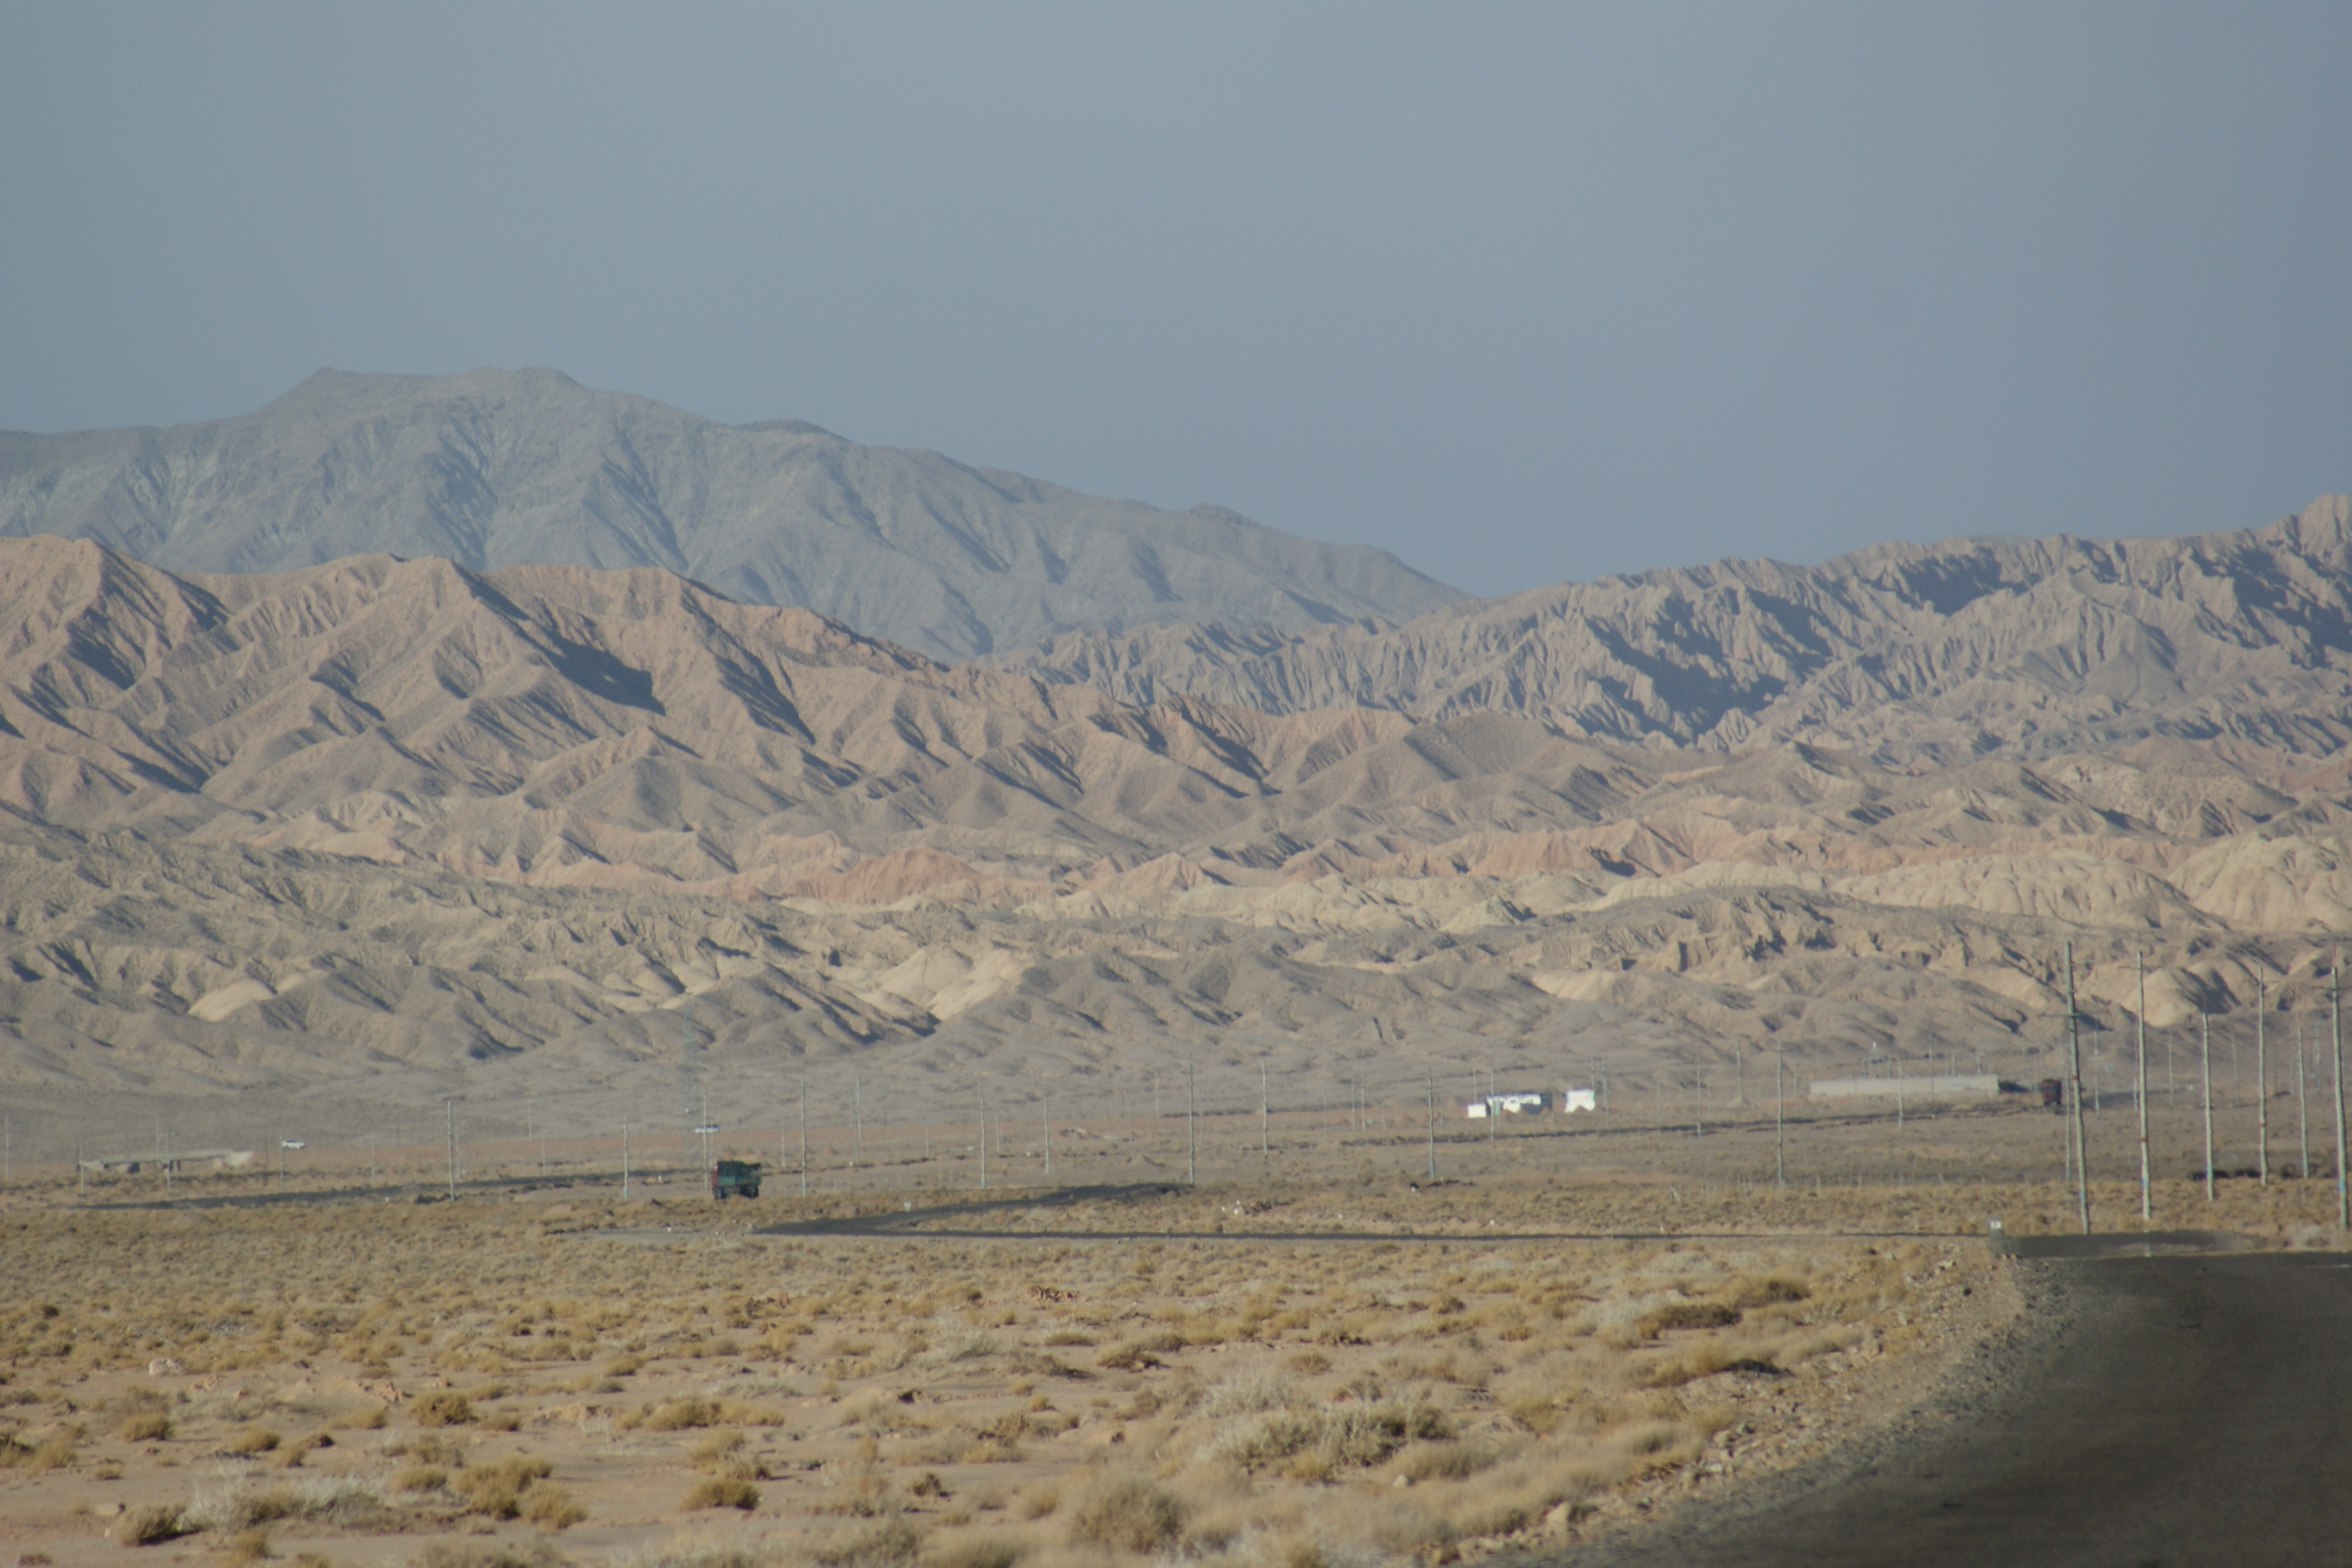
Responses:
[378,821]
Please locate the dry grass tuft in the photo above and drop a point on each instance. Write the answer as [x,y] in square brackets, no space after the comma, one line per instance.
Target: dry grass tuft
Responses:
[155,1523]
[495,1489]
[893,1543]
[552,1507]
[1130,1514]
[722,1492]
[144,1426]
[441,1408]
[489,1554]
[977,1552]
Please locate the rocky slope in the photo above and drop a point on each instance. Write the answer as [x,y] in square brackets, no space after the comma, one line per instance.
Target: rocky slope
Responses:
[497,468]
[391,820]
[1902,650]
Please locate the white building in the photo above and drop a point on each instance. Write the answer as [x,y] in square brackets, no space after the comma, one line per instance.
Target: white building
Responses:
[1525,1103]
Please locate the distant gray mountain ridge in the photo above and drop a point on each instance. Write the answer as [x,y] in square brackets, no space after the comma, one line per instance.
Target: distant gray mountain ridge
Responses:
[495,468]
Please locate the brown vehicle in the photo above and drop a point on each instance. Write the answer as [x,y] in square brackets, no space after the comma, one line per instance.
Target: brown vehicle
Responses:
[2054,1095]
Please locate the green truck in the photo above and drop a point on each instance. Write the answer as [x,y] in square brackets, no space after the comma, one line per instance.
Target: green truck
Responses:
[735,1179]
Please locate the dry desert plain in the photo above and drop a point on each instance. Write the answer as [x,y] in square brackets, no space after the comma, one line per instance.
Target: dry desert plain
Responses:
[1326,1359]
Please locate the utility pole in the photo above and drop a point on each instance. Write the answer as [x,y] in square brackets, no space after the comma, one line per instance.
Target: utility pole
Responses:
[625,1159]
[1698,1099]
[983,1143]
[2139,969]
[2302,1106]
[1493,1106]
[2261,1090]
[1433,1127]
[1191,1126]
[2205,1056]
[857,1119]
[2336,1026]
[1780,1129]
[1264,1150]
[2075,1074]
[804,1134]
[1046,1126]
[450,1106]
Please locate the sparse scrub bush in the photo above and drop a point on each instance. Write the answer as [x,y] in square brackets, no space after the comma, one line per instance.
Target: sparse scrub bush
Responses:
[490,1555]
[441,1408]
[495,1489]
[144,1426]
[154,1522]
[722,1492]
[977,1552]
[893,1543]
[1130,1514]
[1449,1461]
[552,1507]
[1753,1290]
[681,1415]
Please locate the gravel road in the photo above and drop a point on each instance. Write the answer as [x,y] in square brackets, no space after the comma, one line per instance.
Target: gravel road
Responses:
[2176,1411]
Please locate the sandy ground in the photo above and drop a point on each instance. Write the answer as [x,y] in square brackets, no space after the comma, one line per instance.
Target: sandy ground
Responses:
[1583,1330]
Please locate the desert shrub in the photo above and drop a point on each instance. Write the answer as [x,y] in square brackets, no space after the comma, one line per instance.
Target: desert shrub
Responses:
[246,1507]
[489,1554]
[680,1415]
[714,1452]
[1347,1435]
[893,1543]
[1766,1290]
[495,1489]
[144,1426]
[247,1547]
[550,1507]
[1130,1514]
[419,1479]
[53,1455]
[334,1499]
[977,1552]
[254,1440]
[442,1407]
[155,1522]
[1444,1461]
[1687,1315]
[1248,1396]
[722,1492]
[1135,1354]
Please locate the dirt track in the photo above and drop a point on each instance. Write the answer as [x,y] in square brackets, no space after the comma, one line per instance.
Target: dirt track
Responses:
[2182,1411]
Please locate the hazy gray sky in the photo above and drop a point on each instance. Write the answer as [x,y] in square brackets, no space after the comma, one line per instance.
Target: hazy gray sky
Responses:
[1519,292]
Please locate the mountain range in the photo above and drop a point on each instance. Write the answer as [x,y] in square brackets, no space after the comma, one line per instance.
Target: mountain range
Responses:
[384,820]
[1944,650]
